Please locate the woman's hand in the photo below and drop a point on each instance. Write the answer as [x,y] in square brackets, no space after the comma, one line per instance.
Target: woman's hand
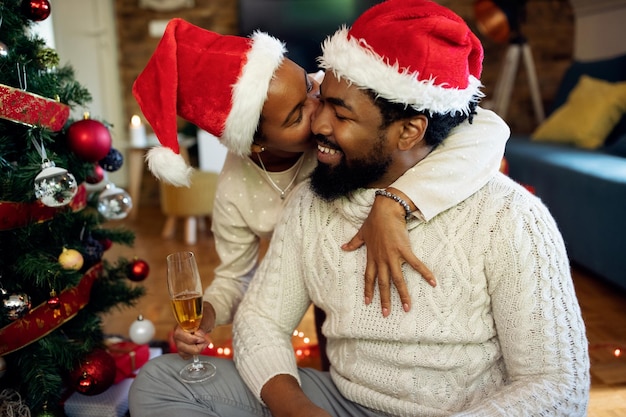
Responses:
[385,235]
[189,344]
[285,398]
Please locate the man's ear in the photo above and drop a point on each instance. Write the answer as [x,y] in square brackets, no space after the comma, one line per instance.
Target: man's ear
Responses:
[412,132]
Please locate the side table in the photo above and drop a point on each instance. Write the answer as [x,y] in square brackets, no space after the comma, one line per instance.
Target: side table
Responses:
[136,162]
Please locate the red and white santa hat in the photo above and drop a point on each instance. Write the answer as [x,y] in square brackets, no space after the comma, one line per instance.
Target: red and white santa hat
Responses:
[216,82]
[413,52]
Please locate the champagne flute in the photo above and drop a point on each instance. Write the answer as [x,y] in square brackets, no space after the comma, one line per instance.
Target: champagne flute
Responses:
[185,289]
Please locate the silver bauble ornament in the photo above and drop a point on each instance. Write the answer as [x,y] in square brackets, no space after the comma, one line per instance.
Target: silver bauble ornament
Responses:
[4,50]
[16,305]
[55,186]
[114,203]
[141,331]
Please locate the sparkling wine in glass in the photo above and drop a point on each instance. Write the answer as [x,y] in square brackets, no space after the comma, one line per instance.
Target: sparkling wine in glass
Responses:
[185,289]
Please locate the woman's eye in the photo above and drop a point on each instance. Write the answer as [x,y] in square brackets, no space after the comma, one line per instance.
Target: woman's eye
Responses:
[298,119]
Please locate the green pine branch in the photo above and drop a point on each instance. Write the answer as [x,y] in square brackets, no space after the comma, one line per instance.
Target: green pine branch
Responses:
[29,253]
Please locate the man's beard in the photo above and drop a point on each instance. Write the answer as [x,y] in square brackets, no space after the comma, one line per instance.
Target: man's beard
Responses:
[331,183]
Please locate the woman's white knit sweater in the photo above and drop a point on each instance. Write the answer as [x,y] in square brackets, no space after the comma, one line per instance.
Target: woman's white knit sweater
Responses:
[500,335]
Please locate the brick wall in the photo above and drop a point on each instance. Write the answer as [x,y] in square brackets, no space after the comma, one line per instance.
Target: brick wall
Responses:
[136,45]
[549,27]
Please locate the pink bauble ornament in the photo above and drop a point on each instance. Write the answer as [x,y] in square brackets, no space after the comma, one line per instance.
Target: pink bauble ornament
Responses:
[96,176]
[89,139]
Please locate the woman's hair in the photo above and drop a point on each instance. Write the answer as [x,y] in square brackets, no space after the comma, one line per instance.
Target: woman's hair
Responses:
[439,125]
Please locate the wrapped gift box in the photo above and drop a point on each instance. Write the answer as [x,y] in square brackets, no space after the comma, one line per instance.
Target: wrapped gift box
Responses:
[111,403]
[128,357]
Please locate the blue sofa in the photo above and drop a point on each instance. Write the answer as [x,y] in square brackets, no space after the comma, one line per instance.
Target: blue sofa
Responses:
[585,190]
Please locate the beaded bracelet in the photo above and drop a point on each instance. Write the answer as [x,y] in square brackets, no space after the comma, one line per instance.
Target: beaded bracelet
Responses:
[404,204]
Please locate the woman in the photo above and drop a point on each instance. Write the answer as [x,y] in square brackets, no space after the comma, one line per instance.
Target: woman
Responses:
[259,103]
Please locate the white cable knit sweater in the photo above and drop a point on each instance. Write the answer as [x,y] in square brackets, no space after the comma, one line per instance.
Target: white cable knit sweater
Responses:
[500,335]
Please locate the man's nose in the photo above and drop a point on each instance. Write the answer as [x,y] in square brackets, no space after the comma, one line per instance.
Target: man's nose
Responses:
[319,122]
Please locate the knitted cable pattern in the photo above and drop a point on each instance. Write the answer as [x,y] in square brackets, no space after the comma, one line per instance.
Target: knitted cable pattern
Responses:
[500,335]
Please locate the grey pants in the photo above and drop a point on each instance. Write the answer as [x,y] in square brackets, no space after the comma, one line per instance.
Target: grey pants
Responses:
[157,391]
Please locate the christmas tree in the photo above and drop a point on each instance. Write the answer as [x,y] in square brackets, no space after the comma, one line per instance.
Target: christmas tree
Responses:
[55,201]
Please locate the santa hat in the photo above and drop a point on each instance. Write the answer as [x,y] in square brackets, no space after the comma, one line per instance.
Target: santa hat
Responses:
[216,82]
[413,52]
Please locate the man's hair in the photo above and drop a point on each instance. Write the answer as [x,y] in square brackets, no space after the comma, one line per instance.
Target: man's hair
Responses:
[439,125]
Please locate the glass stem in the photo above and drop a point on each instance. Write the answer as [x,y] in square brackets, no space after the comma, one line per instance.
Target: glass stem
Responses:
[196,365]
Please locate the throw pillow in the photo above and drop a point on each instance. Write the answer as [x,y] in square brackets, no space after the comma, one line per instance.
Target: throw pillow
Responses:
[591,111]
[611,69]
[618,131]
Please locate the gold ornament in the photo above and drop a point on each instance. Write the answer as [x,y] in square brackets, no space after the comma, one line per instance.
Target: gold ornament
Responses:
[71,259]
[48,58]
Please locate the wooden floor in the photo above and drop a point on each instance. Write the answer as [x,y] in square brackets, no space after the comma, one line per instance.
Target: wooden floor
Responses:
[603,307]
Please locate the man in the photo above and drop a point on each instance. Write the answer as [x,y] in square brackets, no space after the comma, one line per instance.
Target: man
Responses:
[501,334]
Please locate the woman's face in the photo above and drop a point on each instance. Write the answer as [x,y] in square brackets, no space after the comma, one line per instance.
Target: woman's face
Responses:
[286,116]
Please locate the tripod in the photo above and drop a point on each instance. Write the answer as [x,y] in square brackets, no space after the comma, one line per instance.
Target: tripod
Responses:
[518,48]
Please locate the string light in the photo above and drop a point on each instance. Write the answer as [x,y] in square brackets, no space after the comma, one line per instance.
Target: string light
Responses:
[301,343]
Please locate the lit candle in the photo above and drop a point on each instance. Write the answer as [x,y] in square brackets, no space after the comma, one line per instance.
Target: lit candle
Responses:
[137,132]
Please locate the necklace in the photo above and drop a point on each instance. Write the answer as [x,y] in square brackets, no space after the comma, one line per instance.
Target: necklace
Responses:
[273,184]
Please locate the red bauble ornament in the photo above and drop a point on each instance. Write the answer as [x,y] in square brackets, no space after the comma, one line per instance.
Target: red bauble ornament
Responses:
[96,176]
[36,10]
[138,270]
[106,243]
[54,302]
[95,373]
[89,139]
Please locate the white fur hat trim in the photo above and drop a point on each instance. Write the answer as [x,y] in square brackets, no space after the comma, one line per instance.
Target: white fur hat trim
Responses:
[355,61]
[169,166]
[250,92]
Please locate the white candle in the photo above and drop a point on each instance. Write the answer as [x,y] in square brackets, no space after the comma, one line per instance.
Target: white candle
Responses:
[137,132]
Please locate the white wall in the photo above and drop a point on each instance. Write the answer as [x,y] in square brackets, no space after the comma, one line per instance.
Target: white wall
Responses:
[45,31]
[600,29]
[211,152]
[85,38]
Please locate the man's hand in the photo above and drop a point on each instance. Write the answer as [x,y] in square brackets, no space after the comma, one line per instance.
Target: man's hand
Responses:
[385,235]
[285,398]
[189,344]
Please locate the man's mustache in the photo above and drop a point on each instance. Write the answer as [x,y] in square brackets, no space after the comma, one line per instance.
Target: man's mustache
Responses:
[321,139]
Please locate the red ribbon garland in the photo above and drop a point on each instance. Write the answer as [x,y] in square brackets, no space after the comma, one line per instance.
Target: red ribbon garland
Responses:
[44,319]
[31,109]
[15,215]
